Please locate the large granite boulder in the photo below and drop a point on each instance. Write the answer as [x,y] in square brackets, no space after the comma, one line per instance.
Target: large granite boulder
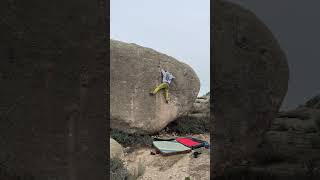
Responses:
[135,71]
[250,82]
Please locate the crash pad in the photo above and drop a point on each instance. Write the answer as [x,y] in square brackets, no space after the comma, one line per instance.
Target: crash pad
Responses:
[190,142]
[170,147]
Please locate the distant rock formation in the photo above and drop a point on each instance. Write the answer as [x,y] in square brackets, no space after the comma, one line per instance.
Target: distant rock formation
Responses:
[291,147]
[135,73]
[314,102]
[201,106]
[250,82]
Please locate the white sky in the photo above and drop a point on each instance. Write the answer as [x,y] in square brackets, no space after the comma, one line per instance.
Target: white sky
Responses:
[178,28]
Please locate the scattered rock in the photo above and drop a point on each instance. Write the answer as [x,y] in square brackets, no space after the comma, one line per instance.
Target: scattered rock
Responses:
[116,150]
[302,113]
[285,124]
[201,105]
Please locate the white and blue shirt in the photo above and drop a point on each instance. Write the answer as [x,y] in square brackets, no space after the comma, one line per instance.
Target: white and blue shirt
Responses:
[167,77]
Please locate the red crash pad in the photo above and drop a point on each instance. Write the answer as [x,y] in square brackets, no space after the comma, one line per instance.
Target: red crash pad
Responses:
[188,142]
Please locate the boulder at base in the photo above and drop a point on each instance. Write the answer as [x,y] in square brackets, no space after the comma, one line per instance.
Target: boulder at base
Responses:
[135,72]
[116,150]
[250,82]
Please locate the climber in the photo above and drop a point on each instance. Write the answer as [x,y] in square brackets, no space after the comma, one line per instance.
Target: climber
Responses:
[167,77]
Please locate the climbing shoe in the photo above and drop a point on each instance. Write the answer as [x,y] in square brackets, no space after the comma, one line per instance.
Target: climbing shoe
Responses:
[196,154]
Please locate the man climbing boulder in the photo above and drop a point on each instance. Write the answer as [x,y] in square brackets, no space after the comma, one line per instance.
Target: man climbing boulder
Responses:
[167,78]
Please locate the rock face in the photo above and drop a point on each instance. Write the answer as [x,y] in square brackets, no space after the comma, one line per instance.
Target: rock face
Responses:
[195,121]
[116,150]
[291,147]
[201,107]
[296,132]
[314,102]
[135,73]
[250,81]
[52,74]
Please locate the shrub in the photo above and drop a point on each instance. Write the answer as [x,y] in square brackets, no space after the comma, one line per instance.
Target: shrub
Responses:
[140,171]
[135,140]
[189,125]
[118,170]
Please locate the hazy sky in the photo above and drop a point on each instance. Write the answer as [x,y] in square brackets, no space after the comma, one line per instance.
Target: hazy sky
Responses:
[178,28]
[296,26]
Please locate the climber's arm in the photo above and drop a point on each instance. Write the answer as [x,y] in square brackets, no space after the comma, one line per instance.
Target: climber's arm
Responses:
[163,72]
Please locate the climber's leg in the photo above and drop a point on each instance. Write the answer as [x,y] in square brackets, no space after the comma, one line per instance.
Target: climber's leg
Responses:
[166,93]
[158,88]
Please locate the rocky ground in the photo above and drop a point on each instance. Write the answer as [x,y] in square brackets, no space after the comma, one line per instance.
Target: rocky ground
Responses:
[154,167]
[289,149]
[141,165]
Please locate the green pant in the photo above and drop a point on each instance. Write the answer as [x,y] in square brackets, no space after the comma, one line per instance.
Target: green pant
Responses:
[164,86]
